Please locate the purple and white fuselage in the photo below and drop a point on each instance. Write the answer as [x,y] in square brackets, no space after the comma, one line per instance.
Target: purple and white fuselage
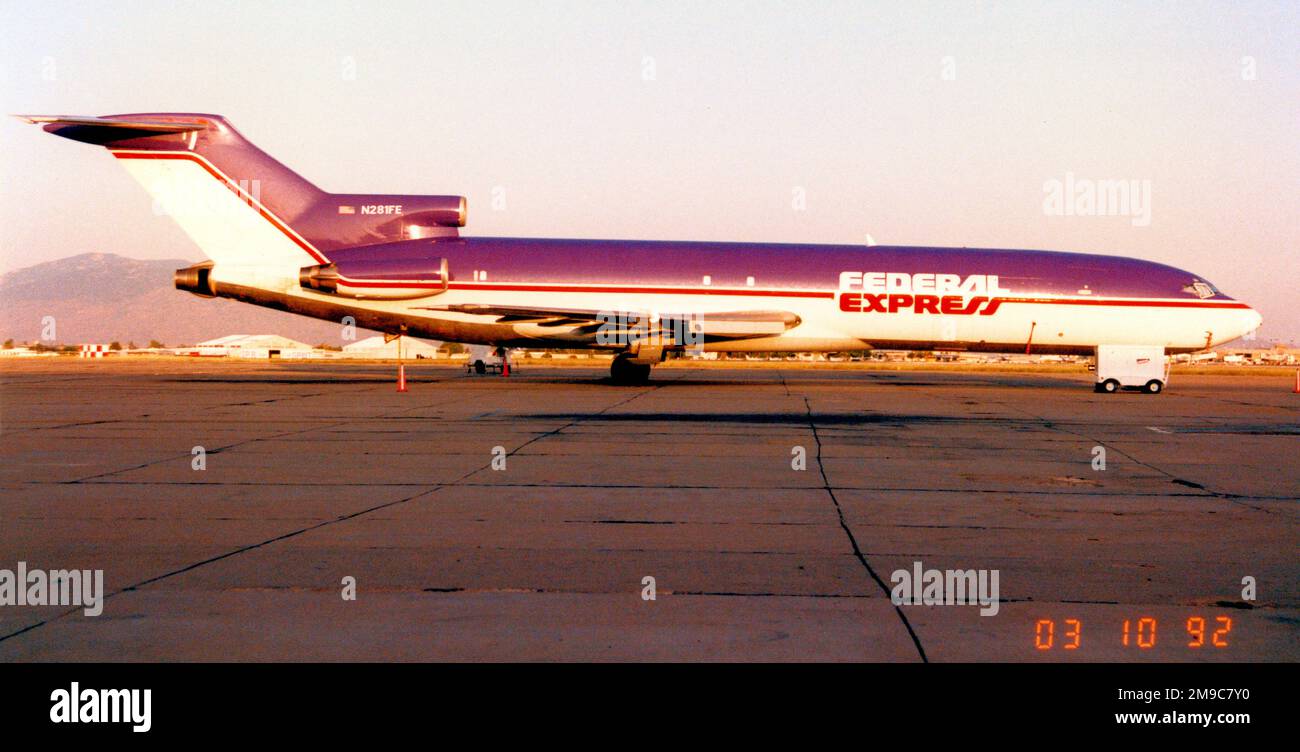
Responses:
[397,263]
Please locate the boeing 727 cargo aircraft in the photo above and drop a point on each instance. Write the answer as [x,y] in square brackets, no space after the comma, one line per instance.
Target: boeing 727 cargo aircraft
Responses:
[398,264]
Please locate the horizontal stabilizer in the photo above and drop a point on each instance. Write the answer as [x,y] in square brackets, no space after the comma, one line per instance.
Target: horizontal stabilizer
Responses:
[105,130]
[111,123]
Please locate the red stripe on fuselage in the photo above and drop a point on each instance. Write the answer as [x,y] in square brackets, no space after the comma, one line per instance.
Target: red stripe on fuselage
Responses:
[647,290]
[415,285]
[1143,303]
[511,287]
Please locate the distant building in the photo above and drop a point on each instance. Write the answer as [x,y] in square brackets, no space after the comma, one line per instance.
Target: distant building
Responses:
[250,346]
[94,351]
[376,348]
[26,352]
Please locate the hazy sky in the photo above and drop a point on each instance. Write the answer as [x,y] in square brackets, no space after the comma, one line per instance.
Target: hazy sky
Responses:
[917,123]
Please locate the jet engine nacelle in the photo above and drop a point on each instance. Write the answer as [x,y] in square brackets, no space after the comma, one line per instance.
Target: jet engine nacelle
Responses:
[340,279]
[195,279]
[364,219]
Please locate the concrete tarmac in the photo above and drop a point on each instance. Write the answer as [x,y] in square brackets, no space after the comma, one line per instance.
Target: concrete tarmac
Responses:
[317,471]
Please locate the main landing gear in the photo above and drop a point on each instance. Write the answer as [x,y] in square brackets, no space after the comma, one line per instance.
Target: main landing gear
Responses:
[624,371]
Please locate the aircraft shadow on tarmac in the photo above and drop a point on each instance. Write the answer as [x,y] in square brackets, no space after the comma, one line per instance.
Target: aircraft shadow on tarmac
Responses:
[537,378]
[273,380]
[799,418]
[855,379]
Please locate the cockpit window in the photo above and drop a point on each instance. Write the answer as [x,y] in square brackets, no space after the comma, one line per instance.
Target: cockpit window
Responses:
[1201,289]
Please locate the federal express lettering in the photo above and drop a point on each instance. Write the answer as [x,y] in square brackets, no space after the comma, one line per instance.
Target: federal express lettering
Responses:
[56,587]
[892,292]
[76,705]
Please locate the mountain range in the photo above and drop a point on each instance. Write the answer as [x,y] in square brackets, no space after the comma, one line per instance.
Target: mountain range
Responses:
[104,297]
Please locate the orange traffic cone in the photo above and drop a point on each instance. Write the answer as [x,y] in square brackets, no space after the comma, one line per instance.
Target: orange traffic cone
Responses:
[1297,382]
[505,368]
[401,377]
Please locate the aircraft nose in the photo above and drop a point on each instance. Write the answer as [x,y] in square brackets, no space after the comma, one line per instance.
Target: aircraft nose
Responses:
[1251,320]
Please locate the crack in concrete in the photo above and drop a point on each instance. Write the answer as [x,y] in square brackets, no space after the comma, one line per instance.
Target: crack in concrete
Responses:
[853,541]
[1233,498]
[294,533]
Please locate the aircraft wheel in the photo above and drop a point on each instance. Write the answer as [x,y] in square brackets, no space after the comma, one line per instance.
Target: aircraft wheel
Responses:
[480,367]
[622,371]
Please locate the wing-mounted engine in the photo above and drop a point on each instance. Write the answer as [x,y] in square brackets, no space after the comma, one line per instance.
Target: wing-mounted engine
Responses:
[391,271]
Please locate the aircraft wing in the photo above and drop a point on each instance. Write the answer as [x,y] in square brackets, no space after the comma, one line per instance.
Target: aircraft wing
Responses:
[713,325]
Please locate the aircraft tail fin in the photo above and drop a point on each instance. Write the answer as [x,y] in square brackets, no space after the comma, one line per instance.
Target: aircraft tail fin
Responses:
[241,207]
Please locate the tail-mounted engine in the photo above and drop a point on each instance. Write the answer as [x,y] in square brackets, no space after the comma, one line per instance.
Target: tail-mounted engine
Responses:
[395,271]
[195,279]
[345,220]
